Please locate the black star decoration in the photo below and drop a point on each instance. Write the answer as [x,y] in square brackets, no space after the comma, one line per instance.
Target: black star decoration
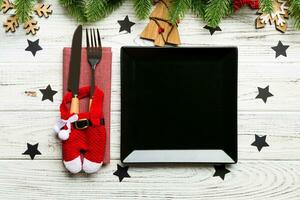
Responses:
[125,25]
[260,142]
[33,47]
[263,93]
[48,93]
[32,150]
[122,172]
[221,171]
[212,30]
[280,49]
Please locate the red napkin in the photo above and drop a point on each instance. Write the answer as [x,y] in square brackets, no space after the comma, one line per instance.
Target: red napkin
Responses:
[102,80]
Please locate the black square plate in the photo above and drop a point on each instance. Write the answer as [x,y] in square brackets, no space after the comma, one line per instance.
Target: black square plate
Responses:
[179,105]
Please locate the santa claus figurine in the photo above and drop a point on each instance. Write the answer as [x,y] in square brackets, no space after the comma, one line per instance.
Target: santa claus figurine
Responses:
[83,134]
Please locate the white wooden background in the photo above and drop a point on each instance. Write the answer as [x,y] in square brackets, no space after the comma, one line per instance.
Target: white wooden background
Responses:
[273,173]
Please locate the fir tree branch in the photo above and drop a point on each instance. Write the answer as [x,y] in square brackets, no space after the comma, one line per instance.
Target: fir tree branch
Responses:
[198,8]
[114,4]
[95,10]
[24,9]
[216,10]
[75,8]
[98,9]
[67,2]
[178,9]
[266,6]
[142,8]
[295,12]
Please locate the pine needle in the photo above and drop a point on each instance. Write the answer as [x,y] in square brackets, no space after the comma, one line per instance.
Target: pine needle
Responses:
[114,4]
[24,9]
[75,8]
[266,6]
[295,12]
[95,10]
[98,9]
[216,10]
[198,8]
[178,9]
[142,8]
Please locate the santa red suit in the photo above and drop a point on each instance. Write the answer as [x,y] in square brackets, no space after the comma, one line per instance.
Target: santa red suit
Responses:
[83,135]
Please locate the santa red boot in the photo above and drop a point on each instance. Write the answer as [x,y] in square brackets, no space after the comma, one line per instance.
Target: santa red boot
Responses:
[83,135]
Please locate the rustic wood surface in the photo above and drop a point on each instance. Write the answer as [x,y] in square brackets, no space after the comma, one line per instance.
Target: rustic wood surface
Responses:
[273,173]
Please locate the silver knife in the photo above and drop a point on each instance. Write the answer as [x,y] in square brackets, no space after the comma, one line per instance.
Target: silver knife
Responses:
[74,69]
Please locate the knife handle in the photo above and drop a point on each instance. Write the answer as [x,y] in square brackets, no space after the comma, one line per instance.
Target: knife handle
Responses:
[74,108]
[90,103]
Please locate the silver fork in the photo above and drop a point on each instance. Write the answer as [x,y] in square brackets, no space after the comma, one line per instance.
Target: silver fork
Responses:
[94,55]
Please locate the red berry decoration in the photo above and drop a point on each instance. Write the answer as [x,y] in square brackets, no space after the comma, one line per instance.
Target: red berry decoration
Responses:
[161,30]
[237,4]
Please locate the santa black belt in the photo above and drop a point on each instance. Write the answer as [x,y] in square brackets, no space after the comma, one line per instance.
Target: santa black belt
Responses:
[84,123]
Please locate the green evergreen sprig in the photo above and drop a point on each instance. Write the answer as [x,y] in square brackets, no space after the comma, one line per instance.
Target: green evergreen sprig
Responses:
[142,8]
[266,6]
[178,9]
[295,12]
[210,11]
[75,8]
[216,10]
[198,8]
[96,10]
[24,9]
[91,10]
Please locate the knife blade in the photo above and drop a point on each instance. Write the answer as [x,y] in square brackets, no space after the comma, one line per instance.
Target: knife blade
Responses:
[74,69]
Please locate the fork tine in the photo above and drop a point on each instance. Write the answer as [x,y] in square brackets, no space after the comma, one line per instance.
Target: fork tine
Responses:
[91,37]
[87,38]
[99,39]
[95,40]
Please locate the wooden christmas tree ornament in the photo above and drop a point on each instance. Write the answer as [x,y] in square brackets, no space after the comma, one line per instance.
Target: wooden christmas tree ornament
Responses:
[11,23]
[43,10]
[6,6]
[278,17]
[160,29]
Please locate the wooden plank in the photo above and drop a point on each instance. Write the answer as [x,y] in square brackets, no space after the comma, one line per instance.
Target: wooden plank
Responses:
[238,30]
[16,78]
[247,180]
[282,130]
[272,173]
